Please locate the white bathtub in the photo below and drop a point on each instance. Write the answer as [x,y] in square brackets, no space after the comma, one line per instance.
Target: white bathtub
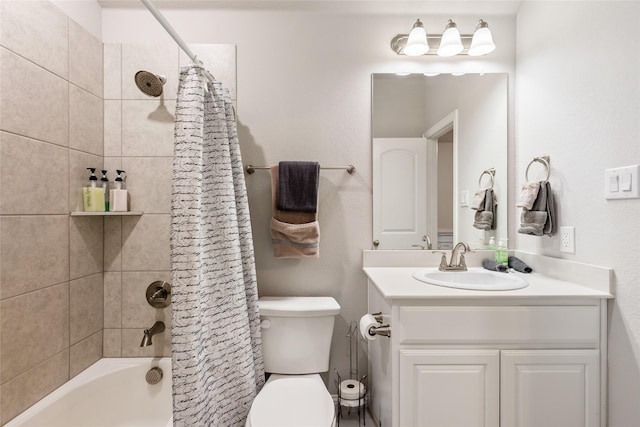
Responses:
[109,393]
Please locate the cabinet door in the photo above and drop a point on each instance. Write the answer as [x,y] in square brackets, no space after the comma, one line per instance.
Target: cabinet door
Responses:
[550,388]
[444,388]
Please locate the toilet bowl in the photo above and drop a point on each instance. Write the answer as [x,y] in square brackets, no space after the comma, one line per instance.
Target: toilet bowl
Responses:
[292,401]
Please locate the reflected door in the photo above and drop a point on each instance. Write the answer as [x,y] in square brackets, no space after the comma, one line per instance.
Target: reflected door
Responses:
[400,192]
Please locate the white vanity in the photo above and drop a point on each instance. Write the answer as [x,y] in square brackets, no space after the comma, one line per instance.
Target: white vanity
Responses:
[530,357]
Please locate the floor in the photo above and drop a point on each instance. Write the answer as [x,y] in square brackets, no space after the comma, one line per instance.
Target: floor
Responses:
[351,419]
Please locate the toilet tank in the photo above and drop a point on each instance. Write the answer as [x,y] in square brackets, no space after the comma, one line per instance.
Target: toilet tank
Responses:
[296,333]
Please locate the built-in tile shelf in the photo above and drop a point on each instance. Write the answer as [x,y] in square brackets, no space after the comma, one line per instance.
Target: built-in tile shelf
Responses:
[129,213]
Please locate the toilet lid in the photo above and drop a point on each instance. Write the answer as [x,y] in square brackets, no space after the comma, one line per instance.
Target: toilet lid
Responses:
[293,401]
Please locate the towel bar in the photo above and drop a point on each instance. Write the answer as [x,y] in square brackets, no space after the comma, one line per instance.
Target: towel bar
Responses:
[542,159]
[350,169]
[491,172]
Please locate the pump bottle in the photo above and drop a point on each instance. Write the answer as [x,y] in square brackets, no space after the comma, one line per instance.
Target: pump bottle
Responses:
[105,189]
[92,195]
[118,195]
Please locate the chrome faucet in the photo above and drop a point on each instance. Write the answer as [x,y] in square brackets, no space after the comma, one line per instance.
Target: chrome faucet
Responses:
[148,333]
[428,245]
[461,265]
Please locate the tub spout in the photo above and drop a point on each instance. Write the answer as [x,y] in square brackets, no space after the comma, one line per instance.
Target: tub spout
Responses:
[148,333]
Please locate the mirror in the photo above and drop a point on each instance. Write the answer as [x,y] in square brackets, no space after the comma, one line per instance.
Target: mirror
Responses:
[433,138]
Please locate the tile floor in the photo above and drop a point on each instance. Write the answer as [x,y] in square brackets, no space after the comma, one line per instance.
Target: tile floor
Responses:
[351,419]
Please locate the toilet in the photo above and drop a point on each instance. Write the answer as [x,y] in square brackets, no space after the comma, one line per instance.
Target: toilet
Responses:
[296,338]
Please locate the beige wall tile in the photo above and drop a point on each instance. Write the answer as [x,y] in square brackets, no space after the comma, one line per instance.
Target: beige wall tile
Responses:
[85,353]
[86,121]
[131,339]
[136,311]
[32,176]
[86,245]
[112,300]
[159,59]
[23,391]
[34,101]
[112,128]
[112,244]
[219,60]
[112,343]
[34,252]
[79,175]
[38,31]
[145,243]
[35,326]
[85,60]
[86,305]
[147,128]
[149,183]
[112,59]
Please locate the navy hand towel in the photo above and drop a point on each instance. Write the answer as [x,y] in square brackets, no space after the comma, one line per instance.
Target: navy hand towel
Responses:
[518,265]
[493,265]
[298,186]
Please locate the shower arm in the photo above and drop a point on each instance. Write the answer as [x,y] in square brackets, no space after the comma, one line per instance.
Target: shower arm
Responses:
[167,26]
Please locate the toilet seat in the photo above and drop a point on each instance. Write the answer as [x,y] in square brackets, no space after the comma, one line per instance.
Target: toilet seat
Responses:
[292,401]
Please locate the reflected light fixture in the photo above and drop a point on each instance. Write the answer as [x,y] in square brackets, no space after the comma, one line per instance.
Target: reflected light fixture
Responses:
[417,42]
[450,42]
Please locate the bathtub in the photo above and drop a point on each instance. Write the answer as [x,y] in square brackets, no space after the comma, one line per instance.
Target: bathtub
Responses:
[109,393]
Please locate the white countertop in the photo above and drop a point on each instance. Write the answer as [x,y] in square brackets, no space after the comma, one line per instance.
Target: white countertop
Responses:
[398,283]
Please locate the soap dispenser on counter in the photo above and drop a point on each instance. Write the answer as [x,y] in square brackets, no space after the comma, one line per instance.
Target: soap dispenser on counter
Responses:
[118,195]
[92,195]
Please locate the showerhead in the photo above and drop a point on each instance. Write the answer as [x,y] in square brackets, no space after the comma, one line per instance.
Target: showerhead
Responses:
[149,83]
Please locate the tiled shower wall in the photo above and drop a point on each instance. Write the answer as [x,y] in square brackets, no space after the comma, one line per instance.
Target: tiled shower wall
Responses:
[138,137]
[72,288]
[51,128]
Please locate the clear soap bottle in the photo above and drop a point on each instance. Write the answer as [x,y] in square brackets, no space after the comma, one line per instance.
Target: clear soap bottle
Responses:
[92,195]
[502,252]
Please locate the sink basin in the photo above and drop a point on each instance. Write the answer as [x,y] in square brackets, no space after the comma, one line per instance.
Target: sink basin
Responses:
[477,279]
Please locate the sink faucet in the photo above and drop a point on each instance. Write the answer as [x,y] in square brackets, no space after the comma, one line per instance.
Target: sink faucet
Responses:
[148,333]
[462,248]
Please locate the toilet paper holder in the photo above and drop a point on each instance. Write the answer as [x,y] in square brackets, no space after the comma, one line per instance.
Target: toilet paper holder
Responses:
[384,330]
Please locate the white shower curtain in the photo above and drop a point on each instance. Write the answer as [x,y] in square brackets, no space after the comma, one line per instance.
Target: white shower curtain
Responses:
[217,353]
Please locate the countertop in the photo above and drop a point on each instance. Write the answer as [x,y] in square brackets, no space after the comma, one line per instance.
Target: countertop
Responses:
[398,283]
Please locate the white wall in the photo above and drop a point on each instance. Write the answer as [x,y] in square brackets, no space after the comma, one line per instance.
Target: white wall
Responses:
[87,13]
[304,93]
[578,98]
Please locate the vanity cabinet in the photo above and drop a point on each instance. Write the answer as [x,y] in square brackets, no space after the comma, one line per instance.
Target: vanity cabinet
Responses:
[489,362]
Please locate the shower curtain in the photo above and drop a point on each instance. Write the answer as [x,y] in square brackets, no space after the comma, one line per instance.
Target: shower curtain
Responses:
[217,353]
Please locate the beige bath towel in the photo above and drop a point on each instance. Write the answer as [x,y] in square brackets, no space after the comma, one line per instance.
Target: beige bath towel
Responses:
[293,234]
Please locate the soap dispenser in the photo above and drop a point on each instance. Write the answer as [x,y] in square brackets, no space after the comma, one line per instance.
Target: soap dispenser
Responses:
[105,189]
[118,195]
[92,195]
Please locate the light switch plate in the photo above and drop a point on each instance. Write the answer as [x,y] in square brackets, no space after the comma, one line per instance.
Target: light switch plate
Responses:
[568,239]
[622,183]
[464,198]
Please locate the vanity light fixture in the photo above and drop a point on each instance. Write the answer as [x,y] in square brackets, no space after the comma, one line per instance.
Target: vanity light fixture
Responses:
[450,43]
[417,43]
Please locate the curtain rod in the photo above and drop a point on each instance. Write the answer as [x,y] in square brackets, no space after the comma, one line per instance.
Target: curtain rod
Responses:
[167,26]
[350,169]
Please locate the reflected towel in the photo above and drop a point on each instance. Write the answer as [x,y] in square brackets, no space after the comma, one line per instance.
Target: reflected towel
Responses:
[485,219]
[293,234]
[478,200]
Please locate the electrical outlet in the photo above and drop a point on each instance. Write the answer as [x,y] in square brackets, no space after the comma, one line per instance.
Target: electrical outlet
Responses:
[568,239]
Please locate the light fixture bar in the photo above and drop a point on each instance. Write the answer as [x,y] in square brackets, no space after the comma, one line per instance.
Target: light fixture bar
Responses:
[399,42]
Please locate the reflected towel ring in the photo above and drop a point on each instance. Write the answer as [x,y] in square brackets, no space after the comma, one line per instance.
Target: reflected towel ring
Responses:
[542,159]
[492,173]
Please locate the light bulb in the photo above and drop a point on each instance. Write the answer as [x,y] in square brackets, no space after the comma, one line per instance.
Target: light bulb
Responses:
[482,41]
[417,43]
[450,44]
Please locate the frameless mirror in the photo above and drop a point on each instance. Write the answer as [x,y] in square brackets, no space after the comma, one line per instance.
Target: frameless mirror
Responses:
[433,139]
